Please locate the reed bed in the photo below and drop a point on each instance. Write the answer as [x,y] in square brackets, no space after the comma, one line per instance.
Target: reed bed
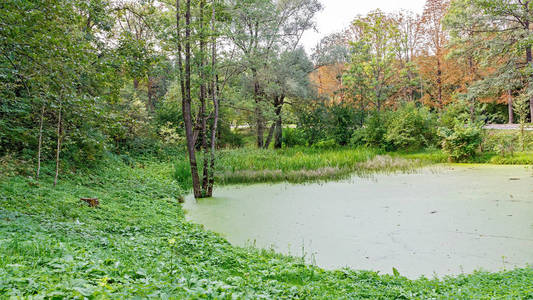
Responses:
[304,165]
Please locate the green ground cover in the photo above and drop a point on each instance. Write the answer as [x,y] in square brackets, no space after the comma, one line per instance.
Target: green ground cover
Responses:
[139,244]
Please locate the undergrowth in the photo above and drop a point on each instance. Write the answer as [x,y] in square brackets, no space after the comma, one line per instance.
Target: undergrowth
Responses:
[138,244]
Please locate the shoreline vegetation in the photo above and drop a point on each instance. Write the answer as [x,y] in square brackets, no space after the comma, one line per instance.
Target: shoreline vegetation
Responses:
[138,243]
[297,165]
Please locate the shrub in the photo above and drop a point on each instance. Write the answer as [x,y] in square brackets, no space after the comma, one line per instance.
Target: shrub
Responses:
[293,137]
[319,122]
[461,142]
[374,131]
[410,128]
[343,122]
[358,138]
[313,123]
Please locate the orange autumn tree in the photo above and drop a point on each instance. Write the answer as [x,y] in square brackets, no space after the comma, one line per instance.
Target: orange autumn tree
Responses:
[330,57]
[328,81]
[434,68]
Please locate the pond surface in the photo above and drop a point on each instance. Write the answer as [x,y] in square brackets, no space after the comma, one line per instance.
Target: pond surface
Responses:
[443,220]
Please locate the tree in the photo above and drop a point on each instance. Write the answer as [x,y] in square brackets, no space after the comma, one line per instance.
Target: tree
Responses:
[370,74]
[435,39]
[260,29]
[502,30]
[290,79]
[409,44]
[330,58]
[204,188]
[63,80]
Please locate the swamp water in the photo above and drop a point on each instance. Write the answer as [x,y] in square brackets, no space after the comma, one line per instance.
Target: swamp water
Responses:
[442,220]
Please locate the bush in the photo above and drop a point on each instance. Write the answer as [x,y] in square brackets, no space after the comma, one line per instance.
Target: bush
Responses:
[358,138]
[319,122]
[461,142]
[344,120]
[410,128]
[293,137]
[313,123]
[374,131]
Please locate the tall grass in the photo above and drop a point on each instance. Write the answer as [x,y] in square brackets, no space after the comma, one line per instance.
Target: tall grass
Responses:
[304,164]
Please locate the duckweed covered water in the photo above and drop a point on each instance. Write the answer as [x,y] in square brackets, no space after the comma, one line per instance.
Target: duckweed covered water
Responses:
[440,221]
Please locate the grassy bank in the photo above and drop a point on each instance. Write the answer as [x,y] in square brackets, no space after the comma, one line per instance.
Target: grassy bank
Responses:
[302,164]
[138,244]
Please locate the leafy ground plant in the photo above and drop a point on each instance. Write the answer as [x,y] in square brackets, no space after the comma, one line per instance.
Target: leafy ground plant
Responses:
[138,244]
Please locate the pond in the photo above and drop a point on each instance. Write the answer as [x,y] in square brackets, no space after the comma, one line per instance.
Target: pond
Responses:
[442,220]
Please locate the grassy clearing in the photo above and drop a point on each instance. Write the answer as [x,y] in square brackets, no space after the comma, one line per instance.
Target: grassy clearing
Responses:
[138,244]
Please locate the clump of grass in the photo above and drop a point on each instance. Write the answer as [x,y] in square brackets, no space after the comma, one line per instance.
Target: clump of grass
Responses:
[298,176]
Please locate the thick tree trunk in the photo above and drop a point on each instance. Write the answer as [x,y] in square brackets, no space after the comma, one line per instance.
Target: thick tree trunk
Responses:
[473,100]
[362,107]
[510,107]
[58,149]
[39,147]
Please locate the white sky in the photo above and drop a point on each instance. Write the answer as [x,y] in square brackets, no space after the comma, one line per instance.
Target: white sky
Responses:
[337,15]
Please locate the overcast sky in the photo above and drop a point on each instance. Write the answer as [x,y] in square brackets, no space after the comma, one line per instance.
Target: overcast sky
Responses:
[337,15]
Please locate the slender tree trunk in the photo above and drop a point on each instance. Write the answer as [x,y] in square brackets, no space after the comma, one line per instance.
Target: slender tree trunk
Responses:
[39,147]
[215,102]
[260,126]
[203,96]
[439,84]
[278,141]
[473,100]
[510,106]
[136,84]
[270,135]
[529,59]
[150,93]
[58,149]
[362,107]
[185,79]
[258,111]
